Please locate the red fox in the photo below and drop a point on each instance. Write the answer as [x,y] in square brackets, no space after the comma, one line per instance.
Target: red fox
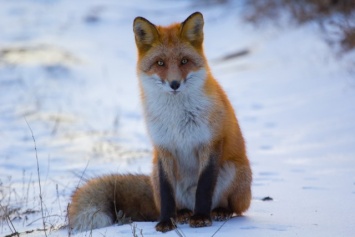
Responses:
[200,168]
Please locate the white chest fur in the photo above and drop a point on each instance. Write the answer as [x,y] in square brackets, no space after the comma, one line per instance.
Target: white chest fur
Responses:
[181,120]
[179,123]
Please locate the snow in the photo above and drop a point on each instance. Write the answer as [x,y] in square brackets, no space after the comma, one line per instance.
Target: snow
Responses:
[68,69]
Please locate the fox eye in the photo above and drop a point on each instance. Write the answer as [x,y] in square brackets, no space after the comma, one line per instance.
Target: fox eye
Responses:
[184,61]
[160,63]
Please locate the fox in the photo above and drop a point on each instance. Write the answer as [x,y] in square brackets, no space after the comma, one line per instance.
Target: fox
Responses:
[201,172]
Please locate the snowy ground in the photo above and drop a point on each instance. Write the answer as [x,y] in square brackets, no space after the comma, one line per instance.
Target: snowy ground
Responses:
[68,69]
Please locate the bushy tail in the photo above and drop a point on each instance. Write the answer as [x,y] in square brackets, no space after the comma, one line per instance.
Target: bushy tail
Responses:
[110,199]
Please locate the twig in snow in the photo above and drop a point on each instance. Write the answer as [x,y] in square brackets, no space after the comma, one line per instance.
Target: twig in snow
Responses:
[134,229]
[9,223]
[41,218]
[58,199]
[82,174]
[178,231]
[28,189]
[69,230]
[220,228]
[39,180]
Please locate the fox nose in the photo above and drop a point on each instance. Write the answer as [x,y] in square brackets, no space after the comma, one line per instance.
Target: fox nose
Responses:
[175,85]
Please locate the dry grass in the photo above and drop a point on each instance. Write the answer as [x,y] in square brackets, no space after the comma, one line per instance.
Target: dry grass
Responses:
[336,17]
[18,211]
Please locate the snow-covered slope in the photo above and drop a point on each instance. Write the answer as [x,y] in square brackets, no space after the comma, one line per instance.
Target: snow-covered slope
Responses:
[68,69]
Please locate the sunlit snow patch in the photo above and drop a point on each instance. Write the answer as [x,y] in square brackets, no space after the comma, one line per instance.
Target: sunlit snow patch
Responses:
[41,54]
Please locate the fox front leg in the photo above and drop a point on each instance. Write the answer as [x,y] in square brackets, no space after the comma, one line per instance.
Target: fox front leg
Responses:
[204,193]
[167,202]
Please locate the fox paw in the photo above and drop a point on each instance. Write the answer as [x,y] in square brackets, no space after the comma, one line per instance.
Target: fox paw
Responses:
[165,226]
[221,214]
[200,220]
[183,216]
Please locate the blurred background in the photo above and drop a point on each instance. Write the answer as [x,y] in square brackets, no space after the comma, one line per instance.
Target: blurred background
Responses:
[67,72]
[335,18]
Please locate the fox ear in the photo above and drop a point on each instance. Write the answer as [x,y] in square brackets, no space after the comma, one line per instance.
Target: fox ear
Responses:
[145,33]
[192,29]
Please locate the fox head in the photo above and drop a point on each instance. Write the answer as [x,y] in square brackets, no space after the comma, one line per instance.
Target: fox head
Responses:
[171,58]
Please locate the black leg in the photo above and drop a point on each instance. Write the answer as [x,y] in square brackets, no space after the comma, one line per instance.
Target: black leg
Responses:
[204,194]
[167,203]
